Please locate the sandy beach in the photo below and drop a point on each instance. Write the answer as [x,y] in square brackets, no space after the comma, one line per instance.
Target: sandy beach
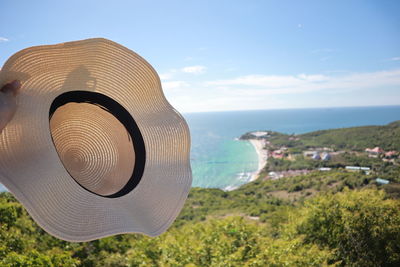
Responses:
[262,160]
[262,156]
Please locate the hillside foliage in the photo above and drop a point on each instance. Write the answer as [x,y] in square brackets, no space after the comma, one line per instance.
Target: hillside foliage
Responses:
[355,138]
[352,223]
[334,218]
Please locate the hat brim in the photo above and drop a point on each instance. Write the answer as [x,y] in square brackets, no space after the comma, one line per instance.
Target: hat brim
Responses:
[32,170]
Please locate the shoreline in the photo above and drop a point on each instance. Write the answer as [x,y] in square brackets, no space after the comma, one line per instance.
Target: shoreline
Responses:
[259,145]
[262,154]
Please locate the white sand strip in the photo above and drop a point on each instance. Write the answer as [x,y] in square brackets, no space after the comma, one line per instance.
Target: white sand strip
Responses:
[262,156]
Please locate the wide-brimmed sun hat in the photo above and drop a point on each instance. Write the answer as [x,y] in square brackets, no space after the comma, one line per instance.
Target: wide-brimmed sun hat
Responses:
[94,148]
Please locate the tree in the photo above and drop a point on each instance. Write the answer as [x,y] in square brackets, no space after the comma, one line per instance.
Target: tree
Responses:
[361,226]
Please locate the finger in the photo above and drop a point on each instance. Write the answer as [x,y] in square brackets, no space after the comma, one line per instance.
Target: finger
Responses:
[11,87]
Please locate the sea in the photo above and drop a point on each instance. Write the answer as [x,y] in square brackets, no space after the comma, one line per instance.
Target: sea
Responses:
[220,160]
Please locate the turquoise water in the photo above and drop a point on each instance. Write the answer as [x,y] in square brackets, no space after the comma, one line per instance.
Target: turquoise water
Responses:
[218,160]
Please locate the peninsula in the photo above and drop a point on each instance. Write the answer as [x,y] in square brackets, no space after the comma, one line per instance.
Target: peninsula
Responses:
[368,148]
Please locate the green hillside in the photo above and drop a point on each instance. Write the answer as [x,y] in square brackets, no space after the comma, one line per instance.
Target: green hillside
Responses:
[334,218]
[356,138]
[346,147]
[311,220]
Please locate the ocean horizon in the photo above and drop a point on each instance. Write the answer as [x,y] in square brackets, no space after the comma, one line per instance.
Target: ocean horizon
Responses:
[220,160]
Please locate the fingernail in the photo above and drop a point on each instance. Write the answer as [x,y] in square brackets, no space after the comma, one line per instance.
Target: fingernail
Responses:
[16,84]
[12,87]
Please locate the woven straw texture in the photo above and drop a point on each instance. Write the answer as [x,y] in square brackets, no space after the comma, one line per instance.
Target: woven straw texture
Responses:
[39,172]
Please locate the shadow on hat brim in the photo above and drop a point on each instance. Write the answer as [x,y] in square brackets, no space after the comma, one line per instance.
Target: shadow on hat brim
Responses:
[32,170]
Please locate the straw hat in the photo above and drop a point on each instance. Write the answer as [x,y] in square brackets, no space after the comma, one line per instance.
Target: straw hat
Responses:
[94,148]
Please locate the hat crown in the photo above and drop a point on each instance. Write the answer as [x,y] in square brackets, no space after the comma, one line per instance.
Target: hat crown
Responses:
[94,147]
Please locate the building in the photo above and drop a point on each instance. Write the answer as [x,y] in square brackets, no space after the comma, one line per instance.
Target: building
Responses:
[316,156]
[273,175]
[391,154]
[367,170]
[326,156]
[374,151]
[278,154]
[381,181]
[324,169]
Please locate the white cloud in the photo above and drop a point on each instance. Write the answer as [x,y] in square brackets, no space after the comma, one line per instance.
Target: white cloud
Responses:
[313,78]
[395,59]
[194,69]
[174,73]
[174,85]
[285,91]
[165,76]
[4,39]
[168,75]
[269,81]
[274,84]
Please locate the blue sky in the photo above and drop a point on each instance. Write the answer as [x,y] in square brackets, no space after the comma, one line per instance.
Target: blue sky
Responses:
[235,55]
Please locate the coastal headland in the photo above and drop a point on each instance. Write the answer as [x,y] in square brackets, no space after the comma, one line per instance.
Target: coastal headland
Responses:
[368,148]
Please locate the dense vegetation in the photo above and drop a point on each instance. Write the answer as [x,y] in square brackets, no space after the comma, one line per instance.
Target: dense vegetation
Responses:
[334,218]
[267,199]
[355,138]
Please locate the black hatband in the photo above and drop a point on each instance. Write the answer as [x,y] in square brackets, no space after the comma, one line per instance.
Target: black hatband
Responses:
[124,117]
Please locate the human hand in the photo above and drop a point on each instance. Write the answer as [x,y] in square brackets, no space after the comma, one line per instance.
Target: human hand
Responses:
[8,106]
